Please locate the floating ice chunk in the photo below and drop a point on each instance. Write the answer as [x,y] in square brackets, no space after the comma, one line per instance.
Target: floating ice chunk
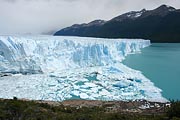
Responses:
[122,84]
[128,94]
[104,92]
[90,84]
[114,70]
[76,93]
[94,89]
[84,96]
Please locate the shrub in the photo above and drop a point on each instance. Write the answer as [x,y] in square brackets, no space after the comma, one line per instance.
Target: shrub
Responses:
[174,110]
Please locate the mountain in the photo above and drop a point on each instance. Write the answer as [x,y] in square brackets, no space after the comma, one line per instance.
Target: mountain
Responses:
[159,25]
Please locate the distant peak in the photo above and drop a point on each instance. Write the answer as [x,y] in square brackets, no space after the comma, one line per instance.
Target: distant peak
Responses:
[143,10]
[97,22]
[166,7]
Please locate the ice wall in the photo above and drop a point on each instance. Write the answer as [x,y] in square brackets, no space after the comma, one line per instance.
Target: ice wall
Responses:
[61,68]
[48,53]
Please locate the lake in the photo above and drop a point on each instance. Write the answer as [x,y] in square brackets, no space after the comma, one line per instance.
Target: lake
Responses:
[161,64]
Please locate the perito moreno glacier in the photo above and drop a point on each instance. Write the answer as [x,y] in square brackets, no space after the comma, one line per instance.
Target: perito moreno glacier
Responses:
[61,68]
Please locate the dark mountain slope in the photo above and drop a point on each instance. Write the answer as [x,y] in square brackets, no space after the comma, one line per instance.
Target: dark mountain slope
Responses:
[159,25]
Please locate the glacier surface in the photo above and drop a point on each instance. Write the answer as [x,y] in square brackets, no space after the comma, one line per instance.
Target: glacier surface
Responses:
[59,68]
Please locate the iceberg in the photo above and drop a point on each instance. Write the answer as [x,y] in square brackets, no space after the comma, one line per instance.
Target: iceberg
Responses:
[59,68]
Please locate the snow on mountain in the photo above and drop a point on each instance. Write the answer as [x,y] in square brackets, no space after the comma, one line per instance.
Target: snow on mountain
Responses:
[59,68]
[130,15]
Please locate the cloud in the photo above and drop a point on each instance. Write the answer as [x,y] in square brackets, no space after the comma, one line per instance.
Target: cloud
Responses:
[38,16]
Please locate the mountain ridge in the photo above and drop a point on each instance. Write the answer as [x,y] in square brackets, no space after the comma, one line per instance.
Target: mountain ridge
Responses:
[159,25]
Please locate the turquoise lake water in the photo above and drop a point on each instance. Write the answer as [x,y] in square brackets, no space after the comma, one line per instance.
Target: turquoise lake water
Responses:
[161,64]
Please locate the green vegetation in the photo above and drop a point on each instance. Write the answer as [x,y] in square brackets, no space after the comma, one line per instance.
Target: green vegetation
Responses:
[174,111]
[31,110]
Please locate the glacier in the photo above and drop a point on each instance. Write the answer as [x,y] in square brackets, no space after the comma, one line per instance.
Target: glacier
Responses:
[58,68]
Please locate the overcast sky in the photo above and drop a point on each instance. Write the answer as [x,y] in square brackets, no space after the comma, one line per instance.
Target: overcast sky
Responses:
[38,16]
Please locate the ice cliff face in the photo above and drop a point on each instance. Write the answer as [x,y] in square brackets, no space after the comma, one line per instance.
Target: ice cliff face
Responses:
[47,54]
[59,68]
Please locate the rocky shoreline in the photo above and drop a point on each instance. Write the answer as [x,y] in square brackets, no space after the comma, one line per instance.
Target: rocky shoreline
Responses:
[140,106]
